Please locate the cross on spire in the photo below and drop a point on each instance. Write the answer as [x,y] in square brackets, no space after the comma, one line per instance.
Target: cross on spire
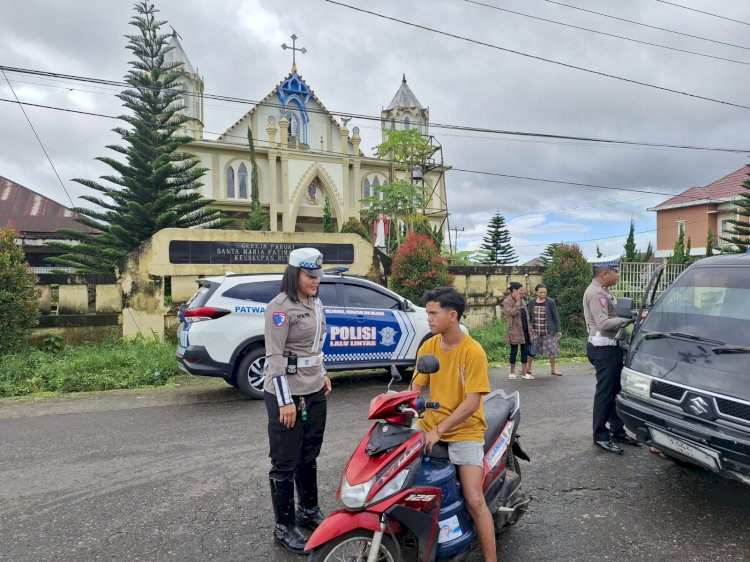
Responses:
[294,50]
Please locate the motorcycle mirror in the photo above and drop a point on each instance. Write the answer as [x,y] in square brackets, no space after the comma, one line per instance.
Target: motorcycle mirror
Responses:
[428,364]
[395,377]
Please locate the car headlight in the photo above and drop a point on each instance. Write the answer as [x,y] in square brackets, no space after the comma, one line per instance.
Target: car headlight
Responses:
[354,497]
[635,383]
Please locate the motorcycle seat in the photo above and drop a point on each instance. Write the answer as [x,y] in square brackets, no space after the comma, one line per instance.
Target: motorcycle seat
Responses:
[497,409]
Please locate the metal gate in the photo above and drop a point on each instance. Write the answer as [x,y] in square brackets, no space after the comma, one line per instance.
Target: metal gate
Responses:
[635,276]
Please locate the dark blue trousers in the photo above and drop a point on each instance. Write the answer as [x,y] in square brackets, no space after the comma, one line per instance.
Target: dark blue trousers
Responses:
[607,360]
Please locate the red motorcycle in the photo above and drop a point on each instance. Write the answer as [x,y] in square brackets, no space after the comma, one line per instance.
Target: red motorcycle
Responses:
[400,503]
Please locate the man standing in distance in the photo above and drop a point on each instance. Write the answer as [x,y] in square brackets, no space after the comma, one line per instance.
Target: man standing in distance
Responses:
[459,386]
[604,351]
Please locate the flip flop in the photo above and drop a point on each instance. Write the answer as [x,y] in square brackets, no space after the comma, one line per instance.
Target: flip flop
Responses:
[556,374]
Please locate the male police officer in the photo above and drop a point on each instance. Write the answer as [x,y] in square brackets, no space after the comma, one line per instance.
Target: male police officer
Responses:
[604,351]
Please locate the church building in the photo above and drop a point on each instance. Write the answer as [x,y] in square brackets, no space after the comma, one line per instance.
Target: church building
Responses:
[304,155]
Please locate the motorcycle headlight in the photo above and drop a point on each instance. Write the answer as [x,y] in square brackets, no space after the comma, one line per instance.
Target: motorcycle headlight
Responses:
[395,485]
[354,497]
[635,383]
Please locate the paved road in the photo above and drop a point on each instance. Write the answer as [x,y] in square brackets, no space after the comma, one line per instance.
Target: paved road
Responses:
[180,474]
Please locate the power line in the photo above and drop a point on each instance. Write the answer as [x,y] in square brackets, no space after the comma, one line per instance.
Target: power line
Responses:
[436,125]
[605,33]
[647,192]
[702,12]
[333,153]
[535,57]
[647,25]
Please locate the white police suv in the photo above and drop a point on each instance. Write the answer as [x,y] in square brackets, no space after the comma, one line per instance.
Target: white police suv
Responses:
[221,327]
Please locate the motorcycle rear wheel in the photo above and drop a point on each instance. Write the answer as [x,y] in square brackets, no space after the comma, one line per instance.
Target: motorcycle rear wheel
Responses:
[355,547]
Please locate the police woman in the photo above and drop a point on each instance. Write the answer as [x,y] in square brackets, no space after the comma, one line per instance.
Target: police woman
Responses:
[295,388]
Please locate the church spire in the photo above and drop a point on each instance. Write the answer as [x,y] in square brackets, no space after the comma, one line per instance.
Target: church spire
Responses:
[404,98]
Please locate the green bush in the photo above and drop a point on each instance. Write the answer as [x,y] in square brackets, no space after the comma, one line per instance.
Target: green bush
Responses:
[355,226]
[19,300]
[492,338]
[88,367]
[419,267]
[567,277]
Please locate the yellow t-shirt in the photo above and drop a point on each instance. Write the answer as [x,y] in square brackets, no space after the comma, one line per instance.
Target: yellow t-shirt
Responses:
[462,370]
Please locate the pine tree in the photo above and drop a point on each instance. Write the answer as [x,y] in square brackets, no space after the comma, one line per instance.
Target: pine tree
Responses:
[257,217]
[709,243]
[496,244]
[631,254]
[156,185]
[739,229]
[648,254]
[328,225]
[678,253]
[549,251]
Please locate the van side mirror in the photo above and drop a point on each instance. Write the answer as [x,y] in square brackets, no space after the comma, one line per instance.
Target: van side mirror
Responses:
[625,308]
[427,364]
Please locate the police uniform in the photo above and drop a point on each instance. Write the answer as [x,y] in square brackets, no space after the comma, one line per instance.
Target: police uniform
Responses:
[295,331]
[605,352]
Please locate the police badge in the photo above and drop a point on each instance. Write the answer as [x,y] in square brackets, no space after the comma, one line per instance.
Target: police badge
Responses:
[388,336]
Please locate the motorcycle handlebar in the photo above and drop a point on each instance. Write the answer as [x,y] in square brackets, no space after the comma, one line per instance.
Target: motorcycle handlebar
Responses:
[432,405]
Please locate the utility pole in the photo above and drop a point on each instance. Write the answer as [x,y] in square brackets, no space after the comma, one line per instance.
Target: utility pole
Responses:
[455,239]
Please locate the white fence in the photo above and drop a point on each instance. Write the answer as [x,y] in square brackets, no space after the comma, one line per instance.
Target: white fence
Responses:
[634,278]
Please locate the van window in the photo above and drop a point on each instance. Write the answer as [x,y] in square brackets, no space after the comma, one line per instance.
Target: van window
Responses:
[712,302]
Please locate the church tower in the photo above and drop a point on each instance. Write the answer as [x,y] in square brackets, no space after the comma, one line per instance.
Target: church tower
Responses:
[405,112]
[191,85]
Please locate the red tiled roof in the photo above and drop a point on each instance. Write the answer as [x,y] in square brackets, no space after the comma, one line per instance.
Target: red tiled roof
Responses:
[32,212]
[728,187]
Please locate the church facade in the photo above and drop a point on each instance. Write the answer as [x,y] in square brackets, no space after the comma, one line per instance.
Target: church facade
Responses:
[304,155]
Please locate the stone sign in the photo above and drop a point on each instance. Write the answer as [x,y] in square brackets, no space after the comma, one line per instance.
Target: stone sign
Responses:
[209,252]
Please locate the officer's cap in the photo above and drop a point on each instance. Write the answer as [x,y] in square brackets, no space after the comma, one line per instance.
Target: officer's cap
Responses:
[605,262]
[309,259]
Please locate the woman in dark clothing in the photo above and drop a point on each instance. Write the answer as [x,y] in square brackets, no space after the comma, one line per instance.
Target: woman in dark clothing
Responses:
[517,333]
[544,328]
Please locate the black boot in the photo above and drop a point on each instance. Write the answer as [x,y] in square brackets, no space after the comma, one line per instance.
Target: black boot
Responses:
[308,512]
[286,532]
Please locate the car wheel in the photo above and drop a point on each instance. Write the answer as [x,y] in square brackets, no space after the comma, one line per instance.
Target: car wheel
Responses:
[250,373]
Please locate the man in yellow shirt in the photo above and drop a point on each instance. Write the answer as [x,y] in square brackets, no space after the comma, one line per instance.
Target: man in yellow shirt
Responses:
[459,386]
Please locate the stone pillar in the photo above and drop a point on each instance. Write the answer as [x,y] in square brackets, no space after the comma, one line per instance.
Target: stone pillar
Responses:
[284,128]
[273,199]
[74,299]
[286,219]
[108,299]
[344,140]
[345,191]
[45,298]
[356,162]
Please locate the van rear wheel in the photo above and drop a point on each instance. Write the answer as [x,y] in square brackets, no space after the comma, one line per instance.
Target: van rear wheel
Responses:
[250,373]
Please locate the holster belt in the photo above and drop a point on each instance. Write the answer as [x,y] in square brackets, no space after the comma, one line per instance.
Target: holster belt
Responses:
[601,341]
[310,361]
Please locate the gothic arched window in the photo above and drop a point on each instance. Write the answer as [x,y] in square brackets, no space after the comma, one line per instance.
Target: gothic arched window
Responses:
[366,192]
[393,123]
[406,123]
[243,181]
[230,183]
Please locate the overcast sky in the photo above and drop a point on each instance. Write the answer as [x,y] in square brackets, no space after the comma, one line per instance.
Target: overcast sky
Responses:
[354,64]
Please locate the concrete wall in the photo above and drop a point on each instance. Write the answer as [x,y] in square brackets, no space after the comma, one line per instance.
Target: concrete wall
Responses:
[135,302]
[484,288]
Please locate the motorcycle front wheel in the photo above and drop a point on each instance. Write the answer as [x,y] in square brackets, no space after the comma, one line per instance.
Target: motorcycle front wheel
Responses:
[355,547]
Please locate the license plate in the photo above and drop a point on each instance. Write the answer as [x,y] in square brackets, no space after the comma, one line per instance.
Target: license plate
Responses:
[703,456]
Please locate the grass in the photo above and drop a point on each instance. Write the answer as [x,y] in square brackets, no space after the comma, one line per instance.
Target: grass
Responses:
[88,367]
[143,363]
[492,338]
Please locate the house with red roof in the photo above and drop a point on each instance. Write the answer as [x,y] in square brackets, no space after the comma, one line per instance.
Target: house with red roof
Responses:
[698,210]
[37,219]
